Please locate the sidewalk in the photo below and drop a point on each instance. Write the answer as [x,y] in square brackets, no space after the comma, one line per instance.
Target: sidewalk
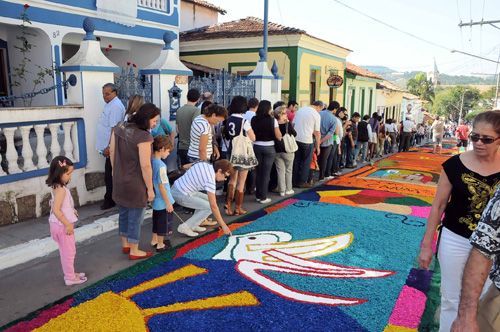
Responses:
[37,280]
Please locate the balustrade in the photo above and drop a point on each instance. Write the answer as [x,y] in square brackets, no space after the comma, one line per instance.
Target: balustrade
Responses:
[21,138]
[153,4]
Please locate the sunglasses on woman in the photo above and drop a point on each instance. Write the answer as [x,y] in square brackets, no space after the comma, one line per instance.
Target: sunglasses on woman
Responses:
[485,139]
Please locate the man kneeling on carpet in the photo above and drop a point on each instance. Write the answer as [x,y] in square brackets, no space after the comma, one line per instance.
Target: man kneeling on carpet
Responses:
[201,176]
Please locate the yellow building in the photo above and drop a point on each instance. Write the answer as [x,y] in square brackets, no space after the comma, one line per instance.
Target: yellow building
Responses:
[305,62]
[361,90]
[390,100]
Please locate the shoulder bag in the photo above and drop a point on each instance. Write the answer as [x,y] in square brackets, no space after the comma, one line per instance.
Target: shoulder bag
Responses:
[242,154]
[289,141]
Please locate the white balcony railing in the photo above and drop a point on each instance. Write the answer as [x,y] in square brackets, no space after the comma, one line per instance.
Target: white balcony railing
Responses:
[27,146]
[153,4]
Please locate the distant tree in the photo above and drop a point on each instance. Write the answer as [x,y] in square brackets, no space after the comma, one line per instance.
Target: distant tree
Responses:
[421,86]
[449,102]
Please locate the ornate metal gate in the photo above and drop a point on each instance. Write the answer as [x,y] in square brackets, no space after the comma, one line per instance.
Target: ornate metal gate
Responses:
[224,86]
[129,83]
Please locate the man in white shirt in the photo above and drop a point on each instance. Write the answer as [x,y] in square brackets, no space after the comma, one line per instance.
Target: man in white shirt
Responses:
[113,112]
[307,125]
[407,129]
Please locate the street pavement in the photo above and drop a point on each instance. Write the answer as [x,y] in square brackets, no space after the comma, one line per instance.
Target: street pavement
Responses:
[27,287]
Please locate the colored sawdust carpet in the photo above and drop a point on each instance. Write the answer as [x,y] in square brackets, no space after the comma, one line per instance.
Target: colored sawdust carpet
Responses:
[340,257]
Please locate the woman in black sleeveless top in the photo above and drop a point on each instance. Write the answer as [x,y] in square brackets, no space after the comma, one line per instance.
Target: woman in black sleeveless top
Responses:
[232,128]
[466,184]
[266,131]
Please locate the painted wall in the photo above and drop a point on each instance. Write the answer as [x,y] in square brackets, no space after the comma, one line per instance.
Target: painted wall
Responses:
[389,102]
[361,105]
[193,16]
[310,61]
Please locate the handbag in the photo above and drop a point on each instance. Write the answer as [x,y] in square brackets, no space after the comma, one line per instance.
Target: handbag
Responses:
[242,154]
[289,141]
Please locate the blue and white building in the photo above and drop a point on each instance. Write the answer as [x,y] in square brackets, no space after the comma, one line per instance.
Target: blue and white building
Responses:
[129,31]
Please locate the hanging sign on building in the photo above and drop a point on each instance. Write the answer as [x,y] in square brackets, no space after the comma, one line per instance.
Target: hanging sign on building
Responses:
[334,81]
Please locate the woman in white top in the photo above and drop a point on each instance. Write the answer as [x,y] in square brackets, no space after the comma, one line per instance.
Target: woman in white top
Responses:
[201,146]
[233,126]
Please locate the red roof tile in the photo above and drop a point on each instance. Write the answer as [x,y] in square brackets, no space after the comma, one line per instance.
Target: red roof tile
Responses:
[353,69]
[245,27]
[206,4]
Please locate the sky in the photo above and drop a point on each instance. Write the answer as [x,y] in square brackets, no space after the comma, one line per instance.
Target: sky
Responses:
[375,44]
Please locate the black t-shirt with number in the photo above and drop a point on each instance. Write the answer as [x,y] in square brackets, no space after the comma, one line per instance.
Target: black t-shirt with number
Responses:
[470,194]
[232,128]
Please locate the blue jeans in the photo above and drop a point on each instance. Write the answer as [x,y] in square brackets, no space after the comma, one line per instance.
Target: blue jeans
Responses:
[302,163]
[330,169]
[348,150]
[265,155]
[129,223]
[361,146]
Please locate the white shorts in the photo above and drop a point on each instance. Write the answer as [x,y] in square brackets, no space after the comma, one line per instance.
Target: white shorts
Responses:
[373,138]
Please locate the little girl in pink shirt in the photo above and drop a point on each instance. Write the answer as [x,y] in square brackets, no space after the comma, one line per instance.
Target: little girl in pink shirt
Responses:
[62,217]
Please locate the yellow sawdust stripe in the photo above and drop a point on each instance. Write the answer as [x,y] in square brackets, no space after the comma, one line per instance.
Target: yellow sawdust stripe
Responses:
[179,274]
[240,299]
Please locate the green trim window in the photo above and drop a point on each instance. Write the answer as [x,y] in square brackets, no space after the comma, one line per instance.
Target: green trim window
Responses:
[314,83]
[352,92]
[362,102]
[370,110]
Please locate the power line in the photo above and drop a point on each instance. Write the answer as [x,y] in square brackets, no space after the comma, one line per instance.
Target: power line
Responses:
[393,27]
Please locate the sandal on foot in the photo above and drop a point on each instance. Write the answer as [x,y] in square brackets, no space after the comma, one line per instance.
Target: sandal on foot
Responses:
[228,211]
[134,257]
[125,250]
[209,222]
[75,281]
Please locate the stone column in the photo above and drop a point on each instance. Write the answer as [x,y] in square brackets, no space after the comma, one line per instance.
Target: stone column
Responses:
[263,79]
[166,70]
[92,69]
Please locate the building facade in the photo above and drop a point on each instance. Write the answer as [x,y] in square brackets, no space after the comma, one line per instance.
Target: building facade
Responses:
[129,34]
[304,61]
[361,90]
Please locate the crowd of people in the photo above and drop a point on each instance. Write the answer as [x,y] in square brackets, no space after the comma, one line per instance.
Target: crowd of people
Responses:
[259,147]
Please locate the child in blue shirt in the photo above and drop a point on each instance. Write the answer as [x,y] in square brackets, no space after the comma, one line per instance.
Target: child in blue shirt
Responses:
[163,201]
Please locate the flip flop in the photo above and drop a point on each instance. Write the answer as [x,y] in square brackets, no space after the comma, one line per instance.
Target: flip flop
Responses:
[209,222]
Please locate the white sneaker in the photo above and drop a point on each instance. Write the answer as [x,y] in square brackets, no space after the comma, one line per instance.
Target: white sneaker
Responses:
[265,201]
[199,229]
[184,229]
[258,200]
[289,192]
[330,178]
[282,194]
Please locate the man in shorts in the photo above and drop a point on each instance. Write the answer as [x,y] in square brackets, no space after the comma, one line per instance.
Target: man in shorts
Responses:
[462,134]
[437,129]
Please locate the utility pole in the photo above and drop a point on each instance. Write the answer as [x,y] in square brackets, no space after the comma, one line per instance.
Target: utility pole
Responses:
[481,23]
[266,9]
[461,106]
[471,23]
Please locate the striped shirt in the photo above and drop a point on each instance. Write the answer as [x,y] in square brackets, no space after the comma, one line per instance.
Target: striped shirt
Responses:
[201,176]
[200,126]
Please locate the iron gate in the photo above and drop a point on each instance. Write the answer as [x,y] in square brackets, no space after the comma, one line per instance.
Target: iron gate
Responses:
[224,86]
[129,83]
